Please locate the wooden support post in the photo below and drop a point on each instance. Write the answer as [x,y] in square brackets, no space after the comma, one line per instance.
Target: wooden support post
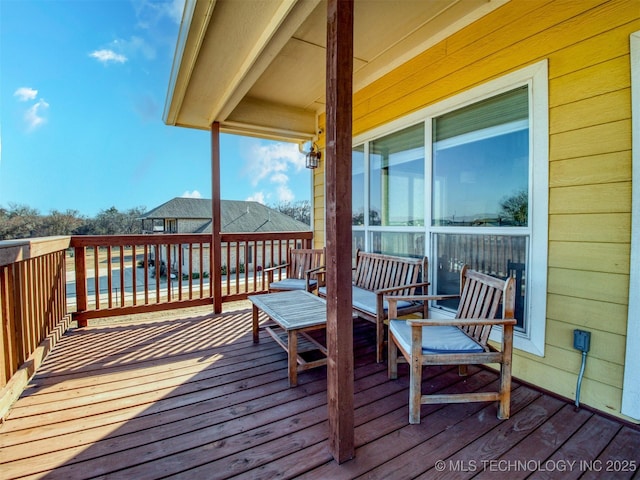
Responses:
[338,228]
[79,257]
[216,243]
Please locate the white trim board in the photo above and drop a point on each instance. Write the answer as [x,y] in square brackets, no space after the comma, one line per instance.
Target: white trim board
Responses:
[631,382]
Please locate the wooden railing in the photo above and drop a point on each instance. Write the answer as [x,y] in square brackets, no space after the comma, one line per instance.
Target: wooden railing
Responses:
[33,305]
[246,255]
[116,275]
[128,274]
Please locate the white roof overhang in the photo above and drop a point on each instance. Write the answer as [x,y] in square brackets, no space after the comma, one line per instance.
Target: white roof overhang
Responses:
[258,66]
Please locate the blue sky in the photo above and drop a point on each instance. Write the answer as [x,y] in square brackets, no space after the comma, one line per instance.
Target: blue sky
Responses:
[82,91]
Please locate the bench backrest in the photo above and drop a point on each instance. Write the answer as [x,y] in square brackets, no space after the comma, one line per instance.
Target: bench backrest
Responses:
[302,259]
[375,271]
[484,296]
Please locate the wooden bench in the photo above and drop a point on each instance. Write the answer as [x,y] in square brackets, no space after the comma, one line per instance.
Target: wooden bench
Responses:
[377,275]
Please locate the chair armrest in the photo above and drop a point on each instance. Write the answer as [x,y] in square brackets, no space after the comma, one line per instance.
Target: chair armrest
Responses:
[460,321]
[277,267]
[319,274]
[269,271]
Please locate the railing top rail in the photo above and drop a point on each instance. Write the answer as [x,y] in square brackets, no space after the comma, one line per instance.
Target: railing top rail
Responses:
[12,251]
[138,239]
[231,236]
[164,238]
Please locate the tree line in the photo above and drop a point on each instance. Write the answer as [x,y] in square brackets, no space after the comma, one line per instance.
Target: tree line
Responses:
[22,221]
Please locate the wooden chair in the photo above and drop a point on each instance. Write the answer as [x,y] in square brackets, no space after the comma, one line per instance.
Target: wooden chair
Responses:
[301,267]
[459,341]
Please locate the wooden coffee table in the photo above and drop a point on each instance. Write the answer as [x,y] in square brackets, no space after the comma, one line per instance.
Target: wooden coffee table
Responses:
[294,313]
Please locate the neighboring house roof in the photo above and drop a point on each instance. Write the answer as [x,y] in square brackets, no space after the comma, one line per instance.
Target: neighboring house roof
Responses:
[237,216]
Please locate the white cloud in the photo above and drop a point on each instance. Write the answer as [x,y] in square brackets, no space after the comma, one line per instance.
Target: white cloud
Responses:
[174,10]
[25,94]
[34,116]
[107,56]
[272,162]
[257,197]
[193,194]
[150,13]
[285,194]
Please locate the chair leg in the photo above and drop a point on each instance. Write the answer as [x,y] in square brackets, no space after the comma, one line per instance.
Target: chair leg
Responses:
[380,340]
[415,390]
[392,357]
[504,408]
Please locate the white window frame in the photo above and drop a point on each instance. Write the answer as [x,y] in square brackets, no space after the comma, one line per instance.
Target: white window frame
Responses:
[536,77]
[631,382]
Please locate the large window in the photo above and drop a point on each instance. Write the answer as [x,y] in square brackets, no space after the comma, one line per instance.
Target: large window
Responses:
[460,182]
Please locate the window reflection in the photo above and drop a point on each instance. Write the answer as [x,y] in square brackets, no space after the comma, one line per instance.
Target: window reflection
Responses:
[498,255]
[357,192]
[403,244]
[481,163]
[396,184]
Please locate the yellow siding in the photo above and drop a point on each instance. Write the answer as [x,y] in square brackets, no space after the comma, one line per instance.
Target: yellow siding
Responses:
[589,170]
[596,257]
[586,44]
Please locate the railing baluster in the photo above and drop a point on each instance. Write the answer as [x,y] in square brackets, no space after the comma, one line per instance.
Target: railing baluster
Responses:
[134,275]
[169,282]
[96,275]
[191,269]
[179,272]
[109,277]
[122,290]
[157,269]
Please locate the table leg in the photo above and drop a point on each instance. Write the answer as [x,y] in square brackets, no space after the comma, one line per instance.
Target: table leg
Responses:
[256,333]
[292,343]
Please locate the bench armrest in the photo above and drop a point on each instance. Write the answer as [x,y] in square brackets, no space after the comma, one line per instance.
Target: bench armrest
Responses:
[394,299]
[385,291]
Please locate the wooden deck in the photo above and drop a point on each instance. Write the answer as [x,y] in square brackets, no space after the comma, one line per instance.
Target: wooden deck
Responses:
[192,397]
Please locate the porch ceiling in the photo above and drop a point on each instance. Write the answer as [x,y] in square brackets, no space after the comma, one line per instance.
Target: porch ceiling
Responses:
[258,67]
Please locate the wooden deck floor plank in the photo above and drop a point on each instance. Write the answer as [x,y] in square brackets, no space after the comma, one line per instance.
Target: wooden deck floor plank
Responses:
[583,446]
[43,384]
[115,411]
[162,406]
[120,341]
[619,460]
[99,426]
[374,420]
[543,442]
[130,441]
[212,364]
[493,443]
[385,437]
[281,420]
[122,385]
[480,418]
[143,396]
[195,398]
[100,364]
